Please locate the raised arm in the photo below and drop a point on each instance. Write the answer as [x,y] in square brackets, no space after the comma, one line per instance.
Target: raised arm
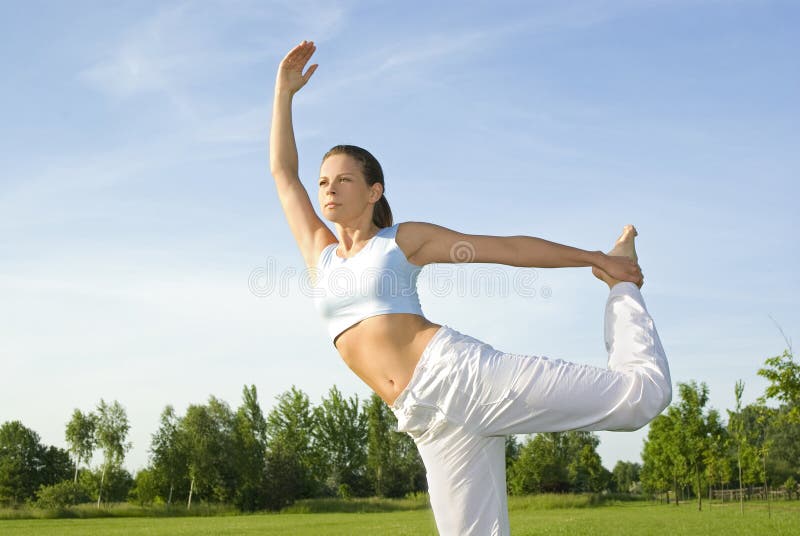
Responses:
[426,243]
[308,229]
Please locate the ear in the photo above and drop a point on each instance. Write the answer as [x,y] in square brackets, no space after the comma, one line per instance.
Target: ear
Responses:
[376,192]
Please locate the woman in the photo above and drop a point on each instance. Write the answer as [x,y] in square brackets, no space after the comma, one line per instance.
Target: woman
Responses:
[455,395]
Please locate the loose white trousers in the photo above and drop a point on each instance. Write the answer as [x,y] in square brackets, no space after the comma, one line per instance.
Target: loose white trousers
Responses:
[465,396]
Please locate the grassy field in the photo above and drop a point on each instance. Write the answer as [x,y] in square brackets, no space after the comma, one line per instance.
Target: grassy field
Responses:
[528,517]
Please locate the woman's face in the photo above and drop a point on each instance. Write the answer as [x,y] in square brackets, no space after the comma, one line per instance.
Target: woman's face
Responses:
[343,191]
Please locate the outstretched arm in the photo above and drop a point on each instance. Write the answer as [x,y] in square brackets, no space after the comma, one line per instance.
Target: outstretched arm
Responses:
[308,230]
[428,243]
[290,79]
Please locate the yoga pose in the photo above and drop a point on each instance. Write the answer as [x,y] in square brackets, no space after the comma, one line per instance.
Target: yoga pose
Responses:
[456,396]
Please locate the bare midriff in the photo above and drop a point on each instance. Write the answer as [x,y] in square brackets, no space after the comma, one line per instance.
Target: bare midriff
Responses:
[384,350]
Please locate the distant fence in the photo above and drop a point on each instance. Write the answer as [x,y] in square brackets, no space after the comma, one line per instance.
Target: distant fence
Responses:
[755,492]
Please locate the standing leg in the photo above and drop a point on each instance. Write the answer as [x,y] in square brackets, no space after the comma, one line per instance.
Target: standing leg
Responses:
[466,481]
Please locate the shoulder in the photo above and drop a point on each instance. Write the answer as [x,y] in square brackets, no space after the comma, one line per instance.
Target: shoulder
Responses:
[415,238]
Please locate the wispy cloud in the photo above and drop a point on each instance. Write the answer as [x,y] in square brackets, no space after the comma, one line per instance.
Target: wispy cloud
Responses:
[185,44]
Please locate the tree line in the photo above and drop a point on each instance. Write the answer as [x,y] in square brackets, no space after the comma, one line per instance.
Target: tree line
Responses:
[346,447]
[690,450]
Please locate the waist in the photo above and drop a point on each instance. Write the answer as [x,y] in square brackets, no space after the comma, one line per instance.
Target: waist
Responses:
[384,350]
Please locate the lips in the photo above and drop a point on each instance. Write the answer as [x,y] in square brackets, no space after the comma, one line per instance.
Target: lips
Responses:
[331,205]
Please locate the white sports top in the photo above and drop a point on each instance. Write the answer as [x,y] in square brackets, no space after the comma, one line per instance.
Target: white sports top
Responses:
[375,281]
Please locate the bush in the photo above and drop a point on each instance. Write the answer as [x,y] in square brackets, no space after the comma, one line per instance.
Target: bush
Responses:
[60,496]
[145,488]
[791,487]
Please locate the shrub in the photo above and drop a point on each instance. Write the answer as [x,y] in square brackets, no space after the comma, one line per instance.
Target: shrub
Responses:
[60,496]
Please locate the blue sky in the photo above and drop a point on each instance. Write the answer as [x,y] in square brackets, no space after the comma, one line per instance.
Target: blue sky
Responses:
[136,202]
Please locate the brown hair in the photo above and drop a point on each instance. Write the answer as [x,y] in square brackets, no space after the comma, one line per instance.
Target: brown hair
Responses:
[382,214]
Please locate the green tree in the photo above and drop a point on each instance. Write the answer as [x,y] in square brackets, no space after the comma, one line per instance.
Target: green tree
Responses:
[26,464]
[20,456]
[625,475]
[512,450]
[718,468]
[542,465]
[783,373]
[293,463]
[206,436]
[697,428]
[791,487]
[111,430]
[585,469]
[664,463]
[737,432]
[145,487]
[784,434]
[394,467]
[115,482]
[250,445]
[341,434]
[379,455]
[80,436]
[168,455]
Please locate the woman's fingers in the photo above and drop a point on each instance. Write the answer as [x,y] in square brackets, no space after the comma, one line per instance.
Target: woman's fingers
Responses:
[309,72]
[305,50]
[299,55]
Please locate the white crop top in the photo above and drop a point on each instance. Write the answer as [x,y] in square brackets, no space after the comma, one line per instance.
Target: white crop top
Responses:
[375,281]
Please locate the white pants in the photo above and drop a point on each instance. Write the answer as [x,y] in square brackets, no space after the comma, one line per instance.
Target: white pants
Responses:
[465,396]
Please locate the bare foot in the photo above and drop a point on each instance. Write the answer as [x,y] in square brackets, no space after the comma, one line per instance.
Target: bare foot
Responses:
[624,247]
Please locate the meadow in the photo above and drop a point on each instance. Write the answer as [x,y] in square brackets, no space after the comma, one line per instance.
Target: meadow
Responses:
[539,515]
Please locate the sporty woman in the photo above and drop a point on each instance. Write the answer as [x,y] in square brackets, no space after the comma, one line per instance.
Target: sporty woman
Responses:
[456,396]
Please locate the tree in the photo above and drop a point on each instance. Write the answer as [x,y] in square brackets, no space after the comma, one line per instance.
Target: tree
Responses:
[80,436]
[665,465]
[250,440]
[717,463]
[783,373]
[512,450]
[696,430]
[111,430]
[168,455]
[145,487]
[293,464]
[556,462]
[206,436]
[625,475]
[26,464]
[784,434]
[20,456]
[394,467]
[378,444]
[341,434]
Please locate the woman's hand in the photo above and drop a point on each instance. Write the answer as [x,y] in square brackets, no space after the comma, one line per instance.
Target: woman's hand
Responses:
[622,268]
[290,71]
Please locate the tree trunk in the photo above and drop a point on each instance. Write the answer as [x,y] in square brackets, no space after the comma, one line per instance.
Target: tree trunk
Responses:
[100,491]
[675,485]
[699,491]
[75,480]
[766,489]
[169,500]
[191,490]
[741,489]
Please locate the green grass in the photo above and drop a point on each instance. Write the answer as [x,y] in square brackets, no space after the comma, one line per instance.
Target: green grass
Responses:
[539,515]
